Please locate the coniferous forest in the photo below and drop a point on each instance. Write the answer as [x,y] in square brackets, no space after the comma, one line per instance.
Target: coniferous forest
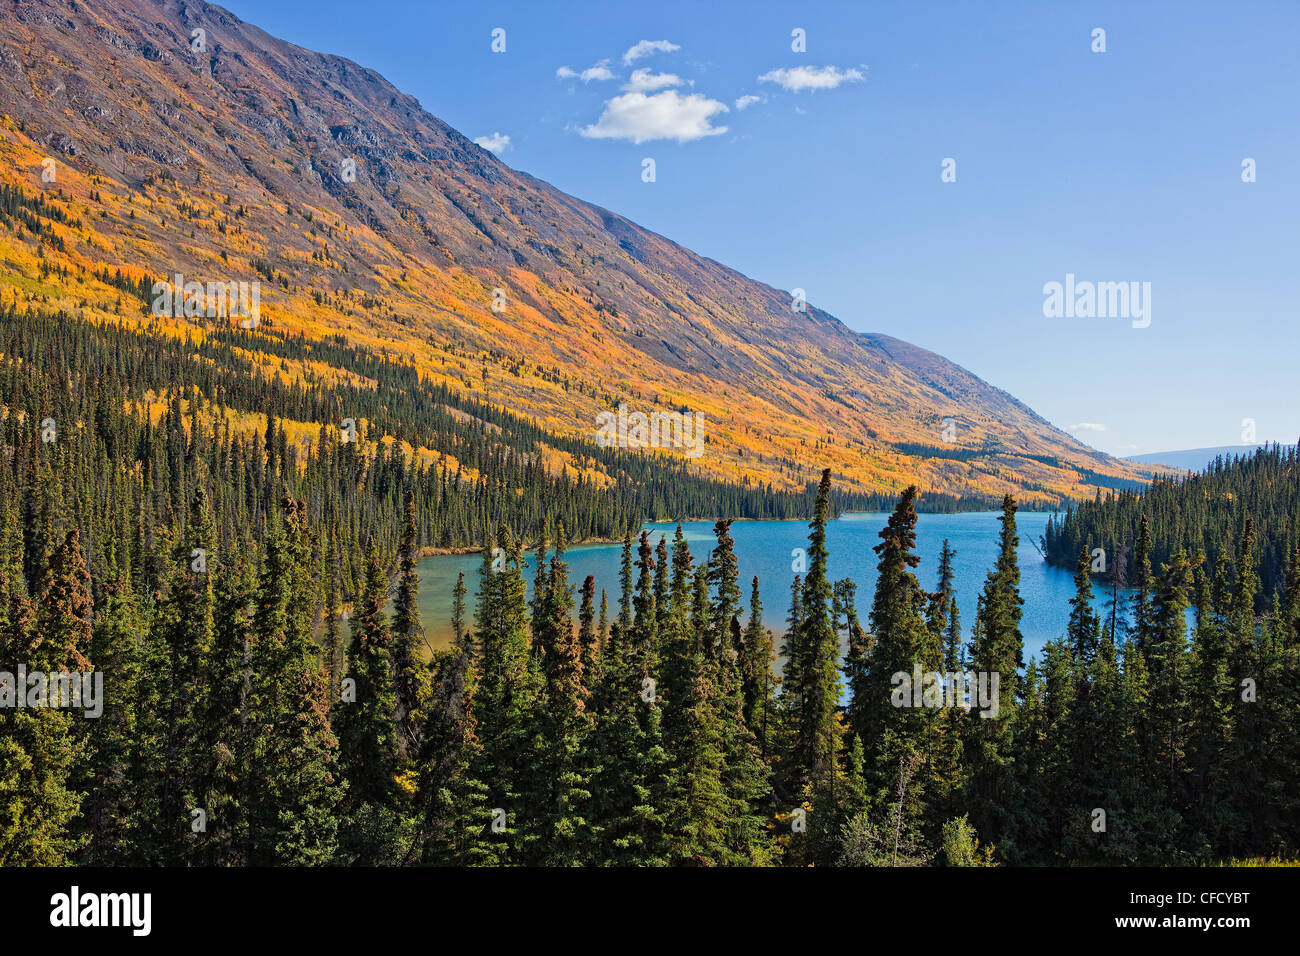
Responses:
[249,724]
[243,572]
[1207,512]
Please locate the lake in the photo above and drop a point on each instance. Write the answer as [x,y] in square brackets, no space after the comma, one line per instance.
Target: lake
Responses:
[763,548]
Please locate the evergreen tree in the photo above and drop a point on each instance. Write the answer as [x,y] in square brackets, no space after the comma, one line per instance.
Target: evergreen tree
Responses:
[814,689]
[893,728]
[589,636]
[183,685]
[996,648]
[406,633]
[40,746]
[1142,613]
[294,750]
[114,791]
[940,606]
[507,689]
[1084,628]
[723,578]
[1167,655]
[367,733]
[565,832]
[756,657]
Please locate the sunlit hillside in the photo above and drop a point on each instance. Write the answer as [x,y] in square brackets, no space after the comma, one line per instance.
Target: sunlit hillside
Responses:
[362,215]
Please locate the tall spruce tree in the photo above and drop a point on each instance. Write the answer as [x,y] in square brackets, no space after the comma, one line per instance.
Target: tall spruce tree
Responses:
[566,835]
[898,719]
[813,691]
[997,647]
[406,634]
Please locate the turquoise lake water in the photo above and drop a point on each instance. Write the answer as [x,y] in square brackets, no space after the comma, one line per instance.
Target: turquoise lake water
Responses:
[764,548]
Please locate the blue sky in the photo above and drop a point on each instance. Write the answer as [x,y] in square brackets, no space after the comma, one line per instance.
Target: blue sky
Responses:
[1122,166]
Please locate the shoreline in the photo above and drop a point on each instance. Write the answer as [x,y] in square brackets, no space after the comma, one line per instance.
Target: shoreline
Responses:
[439,551]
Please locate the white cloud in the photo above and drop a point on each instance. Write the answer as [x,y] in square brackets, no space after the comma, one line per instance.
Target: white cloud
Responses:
[646,48]
[1088,427]
[496,143]
[811,77]
[600,71]
[748,100]
[644,81]
[666,115]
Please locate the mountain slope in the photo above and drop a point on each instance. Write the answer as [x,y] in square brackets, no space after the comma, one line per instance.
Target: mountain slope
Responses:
[232,163]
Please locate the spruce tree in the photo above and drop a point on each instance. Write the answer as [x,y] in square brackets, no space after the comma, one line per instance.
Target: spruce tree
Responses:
[116,791]
[295,753]
[814,758]
[456,817]
[723,577]
[507,689]
[41,747]
[893,727]
[565,835]
[406,634]
[1084,627]
[996,648]
[757,683]
[184,685]
[367,730]
[1167,655]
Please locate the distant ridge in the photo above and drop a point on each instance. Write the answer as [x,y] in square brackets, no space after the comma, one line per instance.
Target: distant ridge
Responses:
[1196,459]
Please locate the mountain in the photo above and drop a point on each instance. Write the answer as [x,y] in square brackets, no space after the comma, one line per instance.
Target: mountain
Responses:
[1196,459]
[246,158]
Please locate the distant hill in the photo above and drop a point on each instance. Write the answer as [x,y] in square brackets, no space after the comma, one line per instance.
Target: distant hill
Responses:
[1195,459]
[1203,514]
